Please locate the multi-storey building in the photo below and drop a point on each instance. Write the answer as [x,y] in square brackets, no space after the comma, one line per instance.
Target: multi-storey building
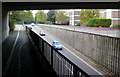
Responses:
[74,16]
[113,14]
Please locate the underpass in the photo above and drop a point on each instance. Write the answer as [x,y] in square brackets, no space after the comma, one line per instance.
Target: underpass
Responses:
[22,56]
[16,49]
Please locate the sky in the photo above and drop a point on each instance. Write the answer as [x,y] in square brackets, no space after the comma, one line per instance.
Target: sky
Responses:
[35,11]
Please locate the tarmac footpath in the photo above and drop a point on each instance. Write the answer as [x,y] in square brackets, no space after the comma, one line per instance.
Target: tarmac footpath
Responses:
[20,59]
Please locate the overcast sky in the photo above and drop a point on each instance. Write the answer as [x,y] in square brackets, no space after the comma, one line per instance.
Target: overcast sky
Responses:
[35,11]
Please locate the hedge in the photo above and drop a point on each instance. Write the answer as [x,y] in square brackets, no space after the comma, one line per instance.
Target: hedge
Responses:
[96,22]
[47,22]
[77,23]
[116,26]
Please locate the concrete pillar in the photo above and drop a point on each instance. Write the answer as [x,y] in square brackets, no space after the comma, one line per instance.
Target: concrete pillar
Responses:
[1,39]
[5,24]
[0,23]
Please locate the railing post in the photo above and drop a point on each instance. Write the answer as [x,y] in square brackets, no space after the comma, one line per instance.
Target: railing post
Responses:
[42,46]
[52,57]
[75,72]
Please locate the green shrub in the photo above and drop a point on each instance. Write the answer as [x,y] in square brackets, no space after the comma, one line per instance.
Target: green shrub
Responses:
[77,23]
[11,26]
[47,22]
[96,22]
[116,26]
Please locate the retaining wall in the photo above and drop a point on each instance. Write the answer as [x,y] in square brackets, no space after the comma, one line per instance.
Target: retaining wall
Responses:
[104,50]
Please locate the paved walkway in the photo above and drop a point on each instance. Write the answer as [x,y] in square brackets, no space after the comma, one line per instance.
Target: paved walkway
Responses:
[20,59]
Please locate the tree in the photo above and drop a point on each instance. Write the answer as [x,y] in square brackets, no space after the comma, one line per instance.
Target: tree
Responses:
[13,19]
[26,17]
[51,16]
[61,17]
[19,17]
[86,14]
[40,16]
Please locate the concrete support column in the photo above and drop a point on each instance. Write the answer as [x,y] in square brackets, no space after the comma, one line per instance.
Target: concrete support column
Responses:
[5,24]
[0,39]
[0,23]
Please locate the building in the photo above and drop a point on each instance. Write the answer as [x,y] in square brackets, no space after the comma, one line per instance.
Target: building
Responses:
[74,16]
[113,14]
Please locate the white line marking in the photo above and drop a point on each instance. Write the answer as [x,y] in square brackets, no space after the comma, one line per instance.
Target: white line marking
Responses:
[83,61]
[11,54]
[19,57]
[80,59]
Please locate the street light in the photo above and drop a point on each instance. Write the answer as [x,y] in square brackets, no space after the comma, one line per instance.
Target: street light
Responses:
[74,19]
[74,29]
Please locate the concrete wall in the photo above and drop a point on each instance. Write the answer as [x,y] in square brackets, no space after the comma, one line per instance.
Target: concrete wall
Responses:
[0,24]
[5,24]
[103,50]
[4,30]
[0,38]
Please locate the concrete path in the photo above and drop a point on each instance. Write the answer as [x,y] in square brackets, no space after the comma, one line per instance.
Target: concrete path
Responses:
[20,59]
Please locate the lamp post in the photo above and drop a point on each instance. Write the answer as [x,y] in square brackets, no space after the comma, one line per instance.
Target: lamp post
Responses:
[74,29]
[74,19]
